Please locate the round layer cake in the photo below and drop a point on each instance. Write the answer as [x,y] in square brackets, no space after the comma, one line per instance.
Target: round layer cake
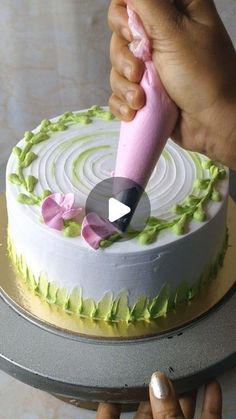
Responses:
[178,252]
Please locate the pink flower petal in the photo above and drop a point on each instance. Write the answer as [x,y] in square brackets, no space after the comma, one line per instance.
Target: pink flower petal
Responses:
[94,229]
[50,209]
[91,237]
[57,197]
[56,222]
[58,207]
[71,213]
[68,201]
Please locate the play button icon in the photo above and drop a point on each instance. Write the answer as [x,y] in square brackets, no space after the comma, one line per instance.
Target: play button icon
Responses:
[121,202]
[117,210]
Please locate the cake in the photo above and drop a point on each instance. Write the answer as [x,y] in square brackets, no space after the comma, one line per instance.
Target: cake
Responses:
[49,175]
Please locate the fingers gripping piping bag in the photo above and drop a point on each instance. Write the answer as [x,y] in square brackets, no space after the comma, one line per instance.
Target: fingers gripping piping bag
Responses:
[143,139]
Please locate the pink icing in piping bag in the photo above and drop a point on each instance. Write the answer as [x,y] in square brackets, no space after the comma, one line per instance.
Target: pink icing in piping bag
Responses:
[143,139]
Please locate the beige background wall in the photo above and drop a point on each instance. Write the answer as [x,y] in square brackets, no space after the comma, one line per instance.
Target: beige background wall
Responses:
[54,56]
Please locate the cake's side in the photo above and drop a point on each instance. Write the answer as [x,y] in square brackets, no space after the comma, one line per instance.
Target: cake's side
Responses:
[179,250]
[116,309]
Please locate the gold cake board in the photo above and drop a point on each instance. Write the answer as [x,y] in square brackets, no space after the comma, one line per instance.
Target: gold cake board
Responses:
[17,294]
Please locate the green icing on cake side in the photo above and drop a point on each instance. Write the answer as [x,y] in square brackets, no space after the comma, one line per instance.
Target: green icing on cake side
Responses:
[115,309]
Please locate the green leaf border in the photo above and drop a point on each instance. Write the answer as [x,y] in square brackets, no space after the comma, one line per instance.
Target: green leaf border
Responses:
[118,309]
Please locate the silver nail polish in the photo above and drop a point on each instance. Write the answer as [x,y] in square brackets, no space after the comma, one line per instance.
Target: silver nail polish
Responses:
[159,387]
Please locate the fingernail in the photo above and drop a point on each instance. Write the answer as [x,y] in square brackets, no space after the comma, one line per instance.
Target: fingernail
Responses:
[124,110]
[130,96]
[160,386]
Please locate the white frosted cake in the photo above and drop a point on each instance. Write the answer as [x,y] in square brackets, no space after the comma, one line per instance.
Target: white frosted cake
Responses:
[50,173]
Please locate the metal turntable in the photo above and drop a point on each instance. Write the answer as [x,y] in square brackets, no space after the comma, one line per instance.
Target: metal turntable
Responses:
[77,359]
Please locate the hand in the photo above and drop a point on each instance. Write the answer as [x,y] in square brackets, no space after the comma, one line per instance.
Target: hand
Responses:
[165,404]
[196,62]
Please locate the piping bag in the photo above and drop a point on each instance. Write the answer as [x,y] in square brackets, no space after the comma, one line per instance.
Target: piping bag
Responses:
[142,140]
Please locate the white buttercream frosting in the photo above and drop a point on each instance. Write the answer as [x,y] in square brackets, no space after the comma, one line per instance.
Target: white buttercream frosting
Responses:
[77,159]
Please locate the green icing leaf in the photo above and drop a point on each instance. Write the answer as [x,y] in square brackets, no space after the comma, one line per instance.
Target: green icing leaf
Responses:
[206,164]
[31,281]
[45,123]
[75,301]
[14,178]
[39,137]
[100,113]
[27,200]
[95,110]
[82,119]
[148,236]
[31,182]
[106,115]
[66,117]
[23,267]
[28,136]
[46,193]
[24,152]
[215,196]
[72,230]
[192,200]
[180,209]
[42,288]
[153,221]
[140,309]
[199,214]
[29,158]
[159,304]
[104,306]
[171,302]
[180,226]
[120,309]
[110,240]
[182,293]
[52,293]
[202,183]
[222,173]
[88,307]
[194,290]
[214,171]
[17,151]
[214,270]
[58,126]
[62,298]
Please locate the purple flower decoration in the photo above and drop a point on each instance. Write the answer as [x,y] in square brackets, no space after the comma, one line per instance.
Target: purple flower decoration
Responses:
[58,207]
[94,229]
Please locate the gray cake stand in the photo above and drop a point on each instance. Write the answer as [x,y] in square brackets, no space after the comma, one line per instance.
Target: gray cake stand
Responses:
[119,371]
[101,370]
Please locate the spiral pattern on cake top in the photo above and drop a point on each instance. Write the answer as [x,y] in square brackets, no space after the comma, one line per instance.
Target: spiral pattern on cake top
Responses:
[77,159]
[76,151]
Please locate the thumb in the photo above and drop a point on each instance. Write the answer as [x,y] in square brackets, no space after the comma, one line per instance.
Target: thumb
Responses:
[164,401]
[158,16]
